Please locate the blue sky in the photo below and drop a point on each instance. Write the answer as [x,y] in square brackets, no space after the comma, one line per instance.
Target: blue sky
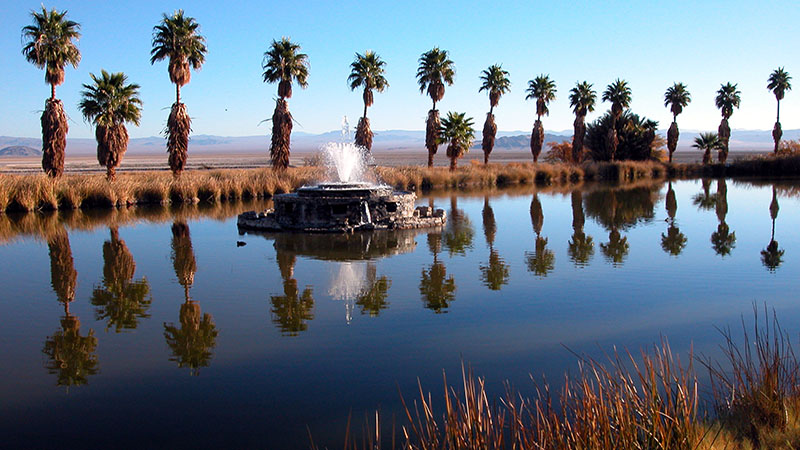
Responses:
[650,44]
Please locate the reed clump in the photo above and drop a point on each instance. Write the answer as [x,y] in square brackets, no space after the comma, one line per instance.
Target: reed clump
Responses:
[650,401]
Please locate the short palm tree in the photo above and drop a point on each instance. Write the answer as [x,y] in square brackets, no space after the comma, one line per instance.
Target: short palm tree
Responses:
[457,131]
[779,82]
[496,83]
[727,99]
[435,69]
[543,89]
[676,98]
[619,95]
[283,64]
[178,39]
[367,71]
[110,103]
[707,142]
[50,45]
[582,99]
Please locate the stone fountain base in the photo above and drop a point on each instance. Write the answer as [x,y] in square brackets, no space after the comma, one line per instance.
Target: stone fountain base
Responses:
[343,207]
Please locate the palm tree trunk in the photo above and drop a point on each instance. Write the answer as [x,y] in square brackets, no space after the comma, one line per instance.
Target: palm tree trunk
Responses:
[53,93]
[777,133]
[365,110]
[453,163]
[177,93]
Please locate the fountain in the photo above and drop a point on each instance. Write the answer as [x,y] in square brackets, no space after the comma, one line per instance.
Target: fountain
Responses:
[349,203]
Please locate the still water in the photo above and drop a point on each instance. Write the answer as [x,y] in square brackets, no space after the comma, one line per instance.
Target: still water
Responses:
[166,328]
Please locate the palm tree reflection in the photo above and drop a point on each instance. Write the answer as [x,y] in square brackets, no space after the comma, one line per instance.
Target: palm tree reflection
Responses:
[723,240]
[293,309]
[120,300]
[458,233]
[674,241]
[772,256]
[494,274]
[70,355]
[580,247]
[192,342]
[437,289]
[542,260]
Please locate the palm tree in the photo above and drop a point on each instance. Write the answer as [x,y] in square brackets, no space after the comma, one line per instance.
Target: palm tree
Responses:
[178,39]
[496,83]
[727,99]
[110,103]
[50,45]
[582,99]
[707,142]
[456,129]
[676,98]
[435,69]
[543,89]
[283,64]
[772,256]
[779,82]
[619,95]
[367,71]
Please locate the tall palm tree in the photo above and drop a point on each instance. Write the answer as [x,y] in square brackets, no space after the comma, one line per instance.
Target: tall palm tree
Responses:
[367,71]
[676,98]
[110,103]
[435,69]
[178,39]
[707,142]
[496,83]
[50,45]
[582,99]
[543,89]
[456,129]
[619,95]
[727,99]
[283,64]
[779,82]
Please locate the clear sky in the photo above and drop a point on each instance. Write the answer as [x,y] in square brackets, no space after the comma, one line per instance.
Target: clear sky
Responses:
[649,43]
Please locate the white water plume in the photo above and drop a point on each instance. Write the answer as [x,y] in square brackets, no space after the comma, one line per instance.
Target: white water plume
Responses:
[347,161]
[347,284]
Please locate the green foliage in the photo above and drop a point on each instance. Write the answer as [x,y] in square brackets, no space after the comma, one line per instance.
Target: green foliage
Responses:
[582,98]
[621,208]
[109,101]
[619,95]
[283,63]
[367,71]
[779,82]
[676,98]
[495,81]
[191,343]
[178,39]
[437,289]
[71,356]
[435,69]
[728,97]
[49,43]
[372,299]
[542,260]
[293,309]
[543,89]
[494,274]
[636,137]
[459,233]
[456,129]
[707,142]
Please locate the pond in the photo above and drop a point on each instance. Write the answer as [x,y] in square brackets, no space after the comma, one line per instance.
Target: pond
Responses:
[158,327]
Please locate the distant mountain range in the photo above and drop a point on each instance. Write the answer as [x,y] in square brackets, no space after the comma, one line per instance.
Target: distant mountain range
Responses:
[388,140]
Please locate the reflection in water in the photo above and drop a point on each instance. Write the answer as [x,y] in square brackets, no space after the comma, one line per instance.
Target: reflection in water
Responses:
[617,210]
[357,283]
[542,260]
[705,200]
[458,233]
[772,256]
[436,288]
[71,356]
[674,241]
[120,300]
[723,240]
[372,299]
[580,247]
[291,310]
[494,274]
[192,342]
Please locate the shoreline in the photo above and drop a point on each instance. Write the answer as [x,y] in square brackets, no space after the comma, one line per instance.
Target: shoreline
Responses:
[75,191]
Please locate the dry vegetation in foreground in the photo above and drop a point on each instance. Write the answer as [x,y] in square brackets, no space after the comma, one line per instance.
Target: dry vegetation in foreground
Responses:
[38,192]
[650,402]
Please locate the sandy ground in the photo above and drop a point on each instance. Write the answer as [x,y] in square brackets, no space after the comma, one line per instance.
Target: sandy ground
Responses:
[230,160]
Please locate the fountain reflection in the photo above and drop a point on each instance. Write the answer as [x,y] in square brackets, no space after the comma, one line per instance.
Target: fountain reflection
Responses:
[494,274]
[70,355]
[772,256]
[580,247]
[120,300]
[723,240]
[619,210]
[192,342]
[542,260]
[673,242]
